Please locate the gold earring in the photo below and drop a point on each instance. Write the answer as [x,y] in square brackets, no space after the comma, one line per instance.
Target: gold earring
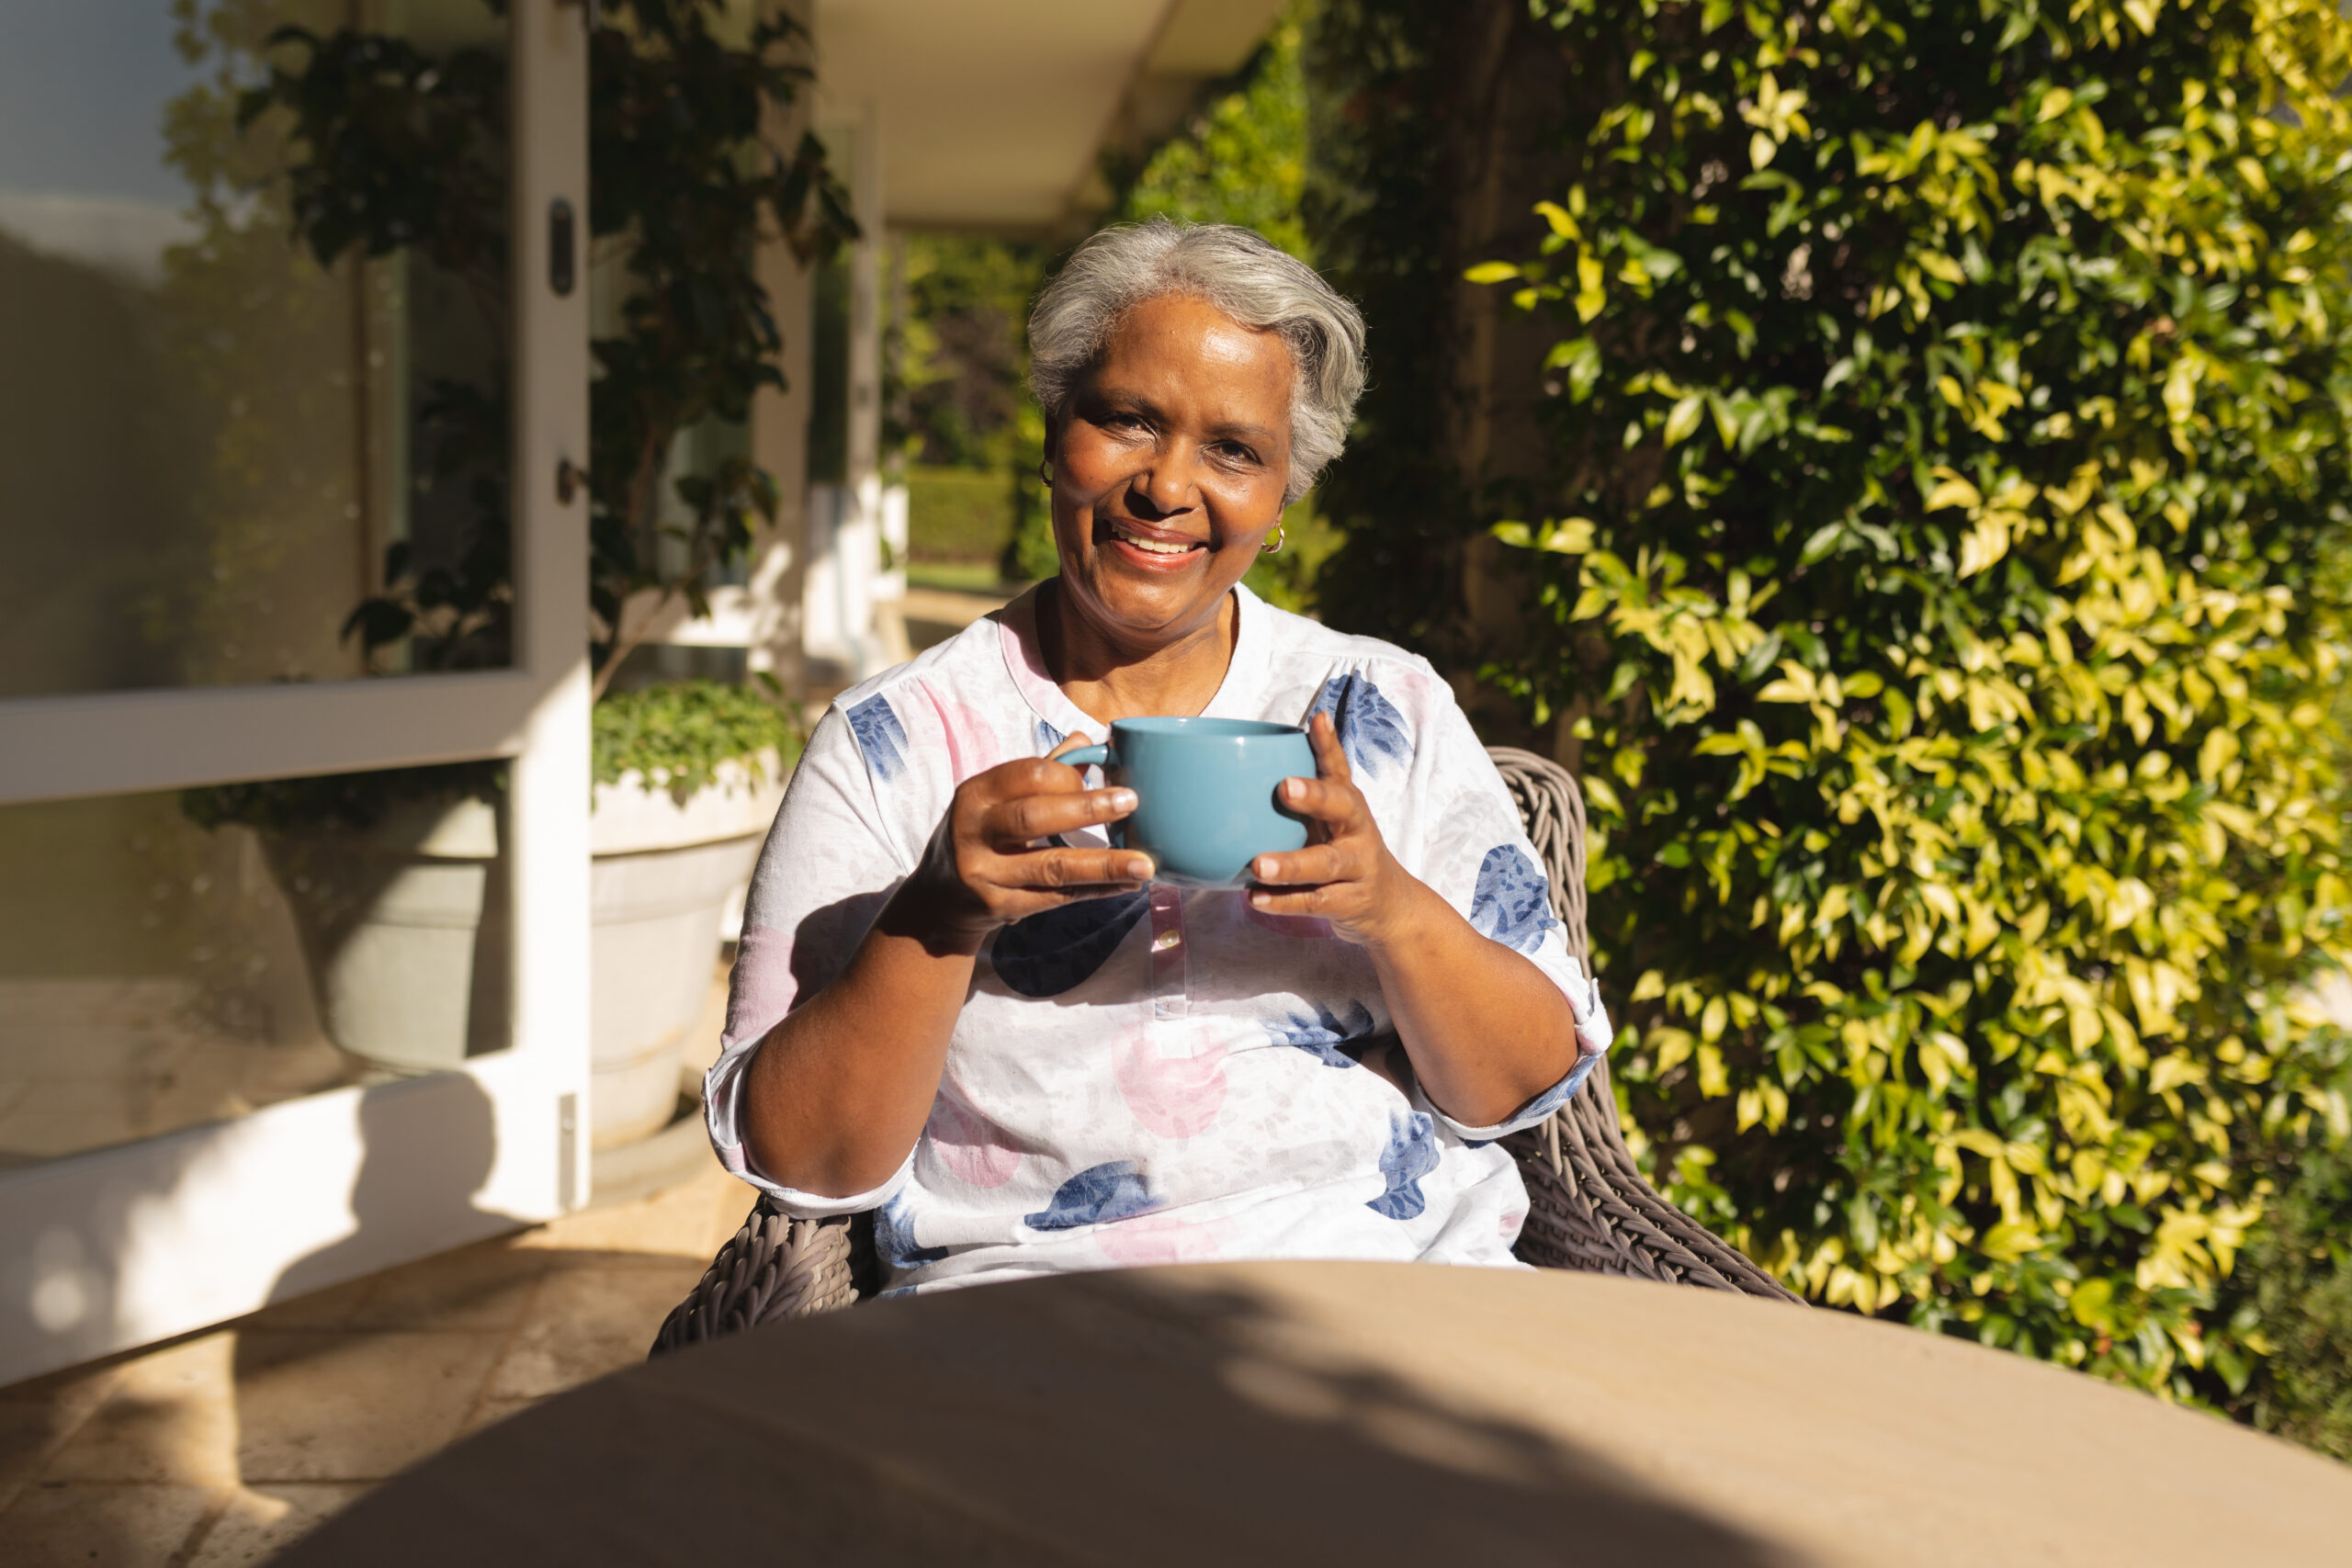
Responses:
[1276,548]
[1045,473]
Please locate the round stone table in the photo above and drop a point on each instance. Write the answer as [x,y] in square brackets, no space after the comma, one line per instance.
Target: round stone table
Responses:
[1354,1414]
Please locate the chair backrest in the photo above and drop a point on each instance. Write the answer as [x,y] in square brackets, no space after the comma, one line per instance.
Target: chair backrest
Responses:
[1589,1207]
[1553,807]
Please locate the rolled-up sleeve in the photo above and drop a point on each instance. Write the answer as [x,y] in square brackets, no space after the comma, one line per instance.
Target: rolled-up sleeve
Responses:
[829,865]
[1533,1112]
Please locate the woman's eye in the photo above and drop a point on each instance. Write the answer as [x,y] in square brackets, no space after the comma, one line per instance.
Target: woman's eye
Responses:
[1233,451]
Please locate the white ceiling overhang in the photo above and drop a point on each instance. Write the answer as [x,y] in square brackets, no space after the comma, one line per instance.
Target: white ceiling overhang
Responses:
[991,113]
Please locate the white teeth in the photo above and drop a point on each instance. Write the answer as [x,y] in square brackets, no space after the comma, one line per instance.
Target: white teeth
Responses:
[1152,546]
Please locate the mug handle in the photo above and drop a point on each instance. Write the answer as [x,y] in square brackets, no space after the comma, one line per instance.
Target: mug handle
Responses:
[1092,757]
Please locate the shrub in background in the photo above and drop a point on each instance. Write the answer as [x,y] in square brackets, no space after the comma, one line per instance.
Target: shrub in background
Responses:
[956,403]
[2294,1286]
[1948,456]
[957,517]
[1242,158]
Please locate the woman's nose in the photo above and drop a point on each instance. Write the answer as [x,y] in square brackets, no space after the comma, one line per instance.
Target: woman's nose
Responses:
[1162,489]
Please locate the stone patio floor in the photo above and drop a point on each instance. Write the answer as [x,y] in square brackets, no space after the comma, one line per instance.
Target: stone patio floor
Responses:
[219,1448]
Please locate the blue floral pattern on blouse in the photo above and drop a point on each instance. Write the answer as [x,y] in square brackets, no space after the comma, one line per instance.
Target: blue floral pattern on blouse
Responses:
[1372,732]
[894,1237]
[1095,1196]
[1324,1033]
[1560,1093]
[1056,949]
[880,736]
[1411,1154]
[1511,901]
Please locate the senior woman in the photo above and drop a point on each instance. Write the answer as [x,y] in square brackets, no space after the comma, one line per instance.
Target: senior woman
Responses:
[957,1004]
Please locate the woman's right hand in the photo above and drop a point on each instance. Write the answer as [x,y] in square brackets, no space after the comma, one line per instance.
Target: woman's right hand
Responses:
[985,866]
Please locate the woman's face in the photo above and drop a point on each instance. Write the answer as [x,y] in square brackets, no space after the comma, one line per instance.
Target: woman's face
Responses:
[1170,466]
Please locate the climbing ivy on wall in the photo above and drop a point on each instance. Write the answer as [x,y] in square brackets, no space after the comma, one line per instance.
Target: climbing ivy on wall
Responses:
[1937,567]
[1377,204]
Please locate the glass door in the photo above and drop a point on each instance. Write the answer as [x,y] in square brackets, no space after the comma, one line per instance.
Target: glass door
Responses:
[249,1046]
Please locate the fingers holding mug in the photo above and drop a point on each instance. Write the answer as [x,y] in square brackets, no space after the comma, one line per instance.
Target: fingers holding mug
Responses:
[1015,824]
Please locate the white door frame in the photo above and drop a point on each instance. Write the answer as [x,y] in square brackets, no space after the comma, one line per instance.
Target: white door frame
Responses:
[117,1247]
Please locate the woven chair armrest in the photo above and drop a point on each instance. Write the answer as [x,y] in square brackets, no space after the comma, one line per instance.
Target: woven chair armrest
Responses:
[775,1267]
[1590,1208]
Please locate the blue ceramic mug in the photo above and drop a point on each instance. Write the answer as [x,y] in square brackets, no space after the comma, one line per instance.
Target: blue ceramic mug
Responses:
[1205,793]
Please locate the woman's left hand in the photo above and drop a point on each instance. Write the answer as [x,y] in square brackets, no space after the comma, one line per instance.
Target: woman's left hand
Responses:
[1345,876]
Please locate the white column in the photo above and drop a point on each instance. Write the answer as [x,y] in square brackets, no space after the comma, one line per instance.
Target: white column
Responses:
[845,585]
[779,433]
[864,458]
[858,552]
[548,795]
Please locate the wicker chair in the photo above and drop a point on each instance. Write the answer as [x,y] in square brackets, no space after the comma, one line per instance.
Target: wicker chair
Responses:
[1589,1207]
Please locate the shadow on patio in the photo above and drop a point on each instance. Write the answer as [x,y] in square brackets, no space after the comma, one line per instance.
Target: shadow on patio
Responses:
[220,1448]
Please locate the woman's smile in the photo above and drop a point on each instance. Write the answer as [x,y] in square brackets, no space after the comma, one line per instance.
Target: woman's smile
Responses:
[1148,549]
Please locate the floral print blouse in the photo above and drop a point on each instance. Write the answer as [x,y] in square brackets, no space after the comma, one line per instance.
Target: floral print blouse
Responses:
[1167,1076]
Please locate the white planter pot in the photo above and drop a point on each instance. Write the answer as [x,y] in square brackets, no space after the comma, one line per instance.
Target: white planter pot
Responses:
[663,877]
[407,930]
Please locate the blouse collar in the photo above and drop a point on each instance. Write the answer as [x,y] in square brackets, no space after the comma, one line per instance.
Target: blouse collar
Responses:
[1238,695]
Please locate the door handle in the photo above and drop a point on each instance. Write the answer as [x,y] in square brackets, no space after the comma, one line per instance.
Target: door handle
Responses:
[563,247]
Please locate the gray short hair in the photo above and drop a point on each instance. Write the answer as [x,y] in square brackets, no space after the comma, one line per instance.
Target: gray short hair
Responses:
[1242,273]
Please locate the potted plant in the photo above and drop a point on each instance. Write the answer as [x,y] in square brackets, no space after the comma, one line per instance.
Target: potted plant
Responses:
[396,885]
[688,777]
[393,875]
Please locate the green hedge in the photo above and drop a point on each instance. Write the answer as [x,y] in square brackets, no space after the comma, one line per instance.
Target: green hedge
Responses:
[2293,1286]
[1949,458]
[959,515]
